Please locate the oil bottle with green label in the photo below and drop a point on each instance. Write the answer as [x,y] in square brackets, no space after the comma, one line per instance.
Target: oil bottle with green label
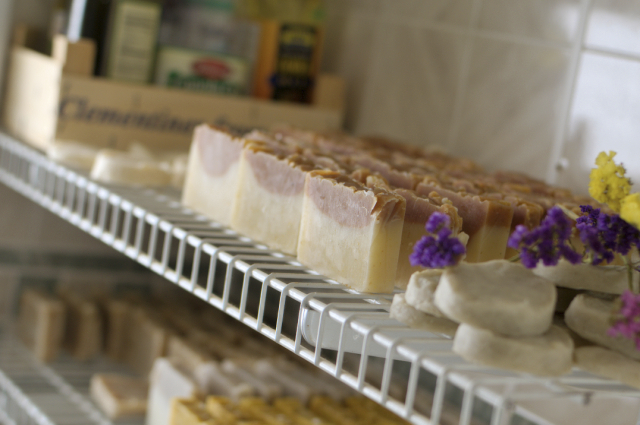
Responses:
[290,47]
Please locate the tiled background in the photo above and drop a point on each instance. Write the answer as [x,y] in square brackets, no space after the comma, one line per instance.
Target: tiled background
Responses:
[539,86]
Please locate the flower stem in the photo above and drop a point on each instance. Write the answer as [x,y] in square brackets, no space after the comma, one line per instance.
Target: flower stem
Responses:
[514,259]
[573,216]
[628,263]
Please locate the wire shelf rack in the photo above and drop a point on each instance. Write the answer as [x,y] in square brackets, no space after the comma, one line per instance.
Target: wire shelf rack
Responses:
[347,334]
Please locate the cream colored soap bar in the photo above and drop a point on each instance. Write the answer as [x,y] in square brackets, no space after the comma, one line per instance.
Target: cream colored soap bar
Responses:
[83,332]
[211,181]
[351,233]
[119,396]
[419,209]
[166,382]
[268,206]
[41,323]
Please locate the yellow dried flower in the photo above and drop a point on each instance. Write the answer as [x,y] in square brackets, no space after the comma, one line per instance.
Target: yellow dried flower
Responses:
[608,183]
[630,209]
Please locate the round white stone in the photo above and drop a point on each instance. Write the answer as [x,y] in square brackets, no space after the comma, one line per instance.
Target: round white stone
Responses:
[550,354]
[413,318]
[501,296]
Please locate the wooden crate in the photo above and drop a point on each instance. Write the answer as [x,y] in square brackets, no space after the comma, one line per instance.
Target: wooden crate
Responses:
[55,97]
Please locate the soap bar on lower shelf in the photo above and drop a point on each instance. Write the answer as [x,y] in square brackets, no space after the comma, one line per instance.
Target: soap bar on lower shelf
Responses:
[119,396]
[41,323]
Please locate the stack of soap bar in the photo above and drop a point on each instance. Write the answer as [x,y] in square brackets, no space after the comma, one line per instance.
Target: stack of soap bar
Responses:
[350,231]
[41,323]
[211,181]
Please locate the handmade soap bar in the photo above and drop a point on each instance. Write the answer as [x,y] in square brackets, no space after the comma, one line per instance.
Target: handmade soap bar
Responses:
[190,411]
[351,233]
[589,317]
[268,206]
[607,279]
[83,331]
[486,221]
[498,295]
[211,181]
[549,354]
[41,323]
[418,210]
[165,383]
[608,363]
[119,396]
[410,316]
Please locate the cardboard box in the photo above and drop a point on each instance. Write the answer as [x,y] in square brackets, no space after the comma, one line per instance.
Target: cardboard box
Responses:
[55,97]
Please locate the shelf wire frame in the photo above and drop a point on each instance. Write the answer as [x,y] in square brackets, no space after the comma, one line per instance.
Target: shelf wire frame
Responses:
[412,373]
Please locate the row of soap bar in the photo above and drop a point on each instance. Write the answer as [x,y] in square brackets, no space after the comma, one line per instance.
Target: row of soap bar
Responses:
[352,208]
[283,411]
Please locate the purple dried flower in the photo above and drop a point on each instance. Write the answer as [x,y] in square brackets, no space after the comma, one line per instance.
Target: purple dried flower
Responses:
[437,251]
[627,322]
[604,235]
[547,243]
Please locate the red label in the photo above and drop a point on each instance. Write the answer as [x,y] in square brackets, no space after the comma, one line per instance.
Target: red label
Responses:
[211,68]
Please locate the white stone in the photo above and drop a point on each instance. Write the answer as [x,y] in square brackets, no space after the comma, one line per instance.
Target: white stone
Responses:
[421,291]
[589,317]
[549,354]
[498,295]
[413,318]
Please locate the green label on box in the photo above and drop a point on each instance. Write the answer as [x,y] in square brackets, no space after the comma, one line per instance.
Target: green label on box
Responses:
[201,71]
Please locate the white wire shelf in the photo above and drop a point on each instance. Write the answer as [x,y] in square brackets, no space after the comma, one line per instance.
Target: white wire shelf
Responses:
[345,333]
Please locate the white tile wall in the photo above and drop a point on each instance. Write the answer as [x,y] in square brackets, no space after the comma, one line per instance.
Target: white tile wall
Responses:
[514,84]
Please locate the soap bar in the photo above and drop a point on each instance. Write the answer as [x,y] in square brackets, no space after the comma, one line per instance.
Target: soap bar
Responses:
[41,323]
[185,354]
[268,206]
[83,331]
[119,396]
[486,221]
[165,383]
[498,295]
[549,354]
[607,279]
[421,291]
[295,410]
[119,316]
[608,363]
[117,167]
[267,389]
[418,210]
[189,411]
[292,384]
[211,181]
[589,316]
[351,233]
[407,314]
[147,341]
